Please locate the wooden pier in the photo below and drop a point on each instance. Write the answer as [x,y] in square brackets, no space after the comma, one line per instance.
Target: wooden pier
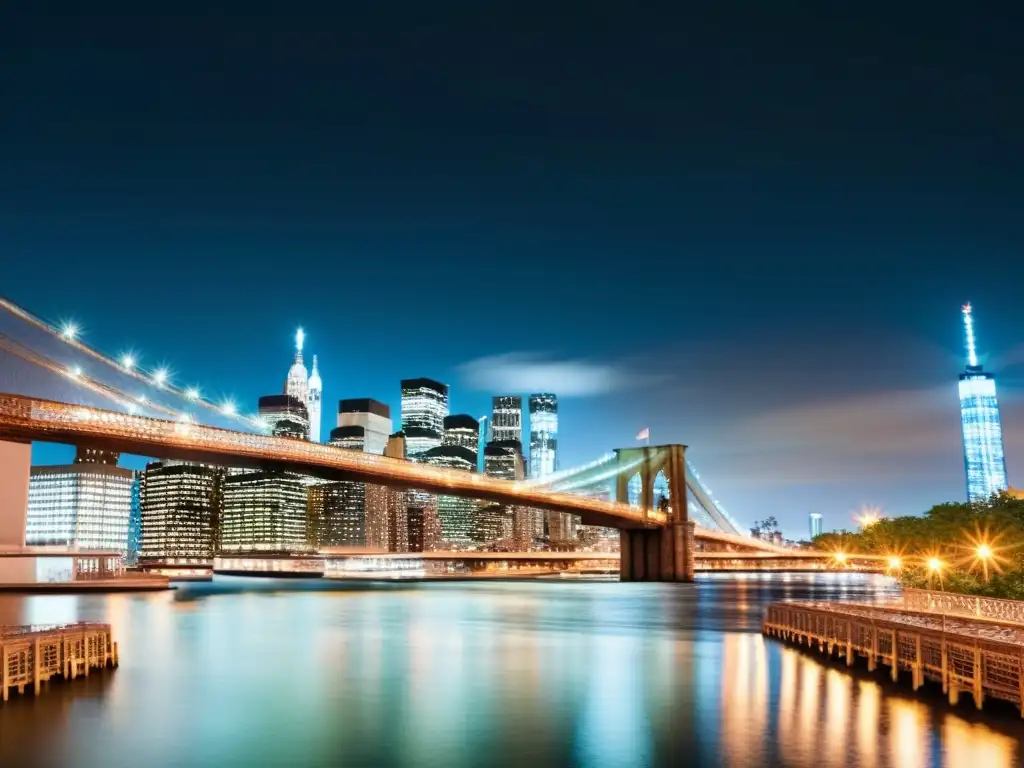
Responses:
[32,655]
[982,657]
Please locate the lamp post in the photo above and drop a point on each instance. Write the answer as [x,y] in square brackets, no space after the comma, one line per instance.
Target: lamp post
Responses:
[984,554]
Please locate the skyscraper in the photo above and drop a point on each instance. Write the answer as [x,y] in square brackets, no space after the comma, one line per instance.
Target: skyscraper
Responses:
[373,418]
[543,435]
[506,419]
[263,512]
[135,521]
[424,406]
[815,520]
[316,392]
[306,388]
[463,430]
[297,383]
[454,512]
[179,511]
[979,418]
[495,522]
[285,416]
[85,505]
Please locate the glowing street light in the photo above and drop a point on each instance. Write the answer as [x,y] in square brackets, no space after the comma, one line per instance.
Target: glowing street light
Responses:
[128,361]
[894,563]
[192,393]
[984,553]
[75,372]
[935,565]
[228,409]
[160,376]
[70,330]
[840,558]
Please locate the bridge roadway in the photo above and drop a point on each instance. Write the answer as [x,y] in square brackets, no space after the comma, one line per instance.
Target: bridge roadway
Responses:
[24,419]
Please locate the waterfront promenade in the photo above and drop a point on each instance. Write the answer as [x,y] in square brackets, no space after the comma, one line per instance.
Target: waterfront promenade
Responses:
[967,644]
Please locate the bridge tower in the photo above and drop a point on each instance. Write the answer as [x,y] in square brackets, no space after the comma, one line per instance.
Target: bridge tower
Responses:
[654,477]
[15,467]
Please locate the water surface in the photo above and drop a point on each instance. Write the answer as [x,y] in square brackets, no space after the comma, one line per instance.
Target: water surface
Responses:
[536,673]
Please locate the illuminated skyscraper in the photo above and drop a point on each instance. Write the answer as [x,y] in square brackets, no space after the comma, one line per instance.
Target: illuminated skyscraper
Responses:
[979,418]
[179,513]
[815,520]
[496,522]
[285,416]
[454,512]
[316,392]
[506,419]
[264,512]
[85,505]
[297,383]
[371,417]
[543,435]
[424,406]
[463,430]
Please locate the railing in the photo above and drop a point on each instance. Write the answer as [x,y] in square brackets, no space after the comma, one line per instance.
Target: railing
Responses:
[953,604]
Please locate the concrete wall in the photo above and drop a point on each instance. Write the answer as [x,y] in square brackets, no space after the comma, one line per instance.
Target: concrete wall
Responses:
[15,465]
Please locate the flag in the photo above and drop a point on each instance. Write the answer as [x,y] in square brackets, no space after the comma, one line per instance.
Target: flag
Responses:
[644,434]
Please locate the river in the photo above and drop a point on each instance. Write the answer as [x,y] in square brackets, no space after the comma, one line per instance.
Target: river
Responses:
[252,672]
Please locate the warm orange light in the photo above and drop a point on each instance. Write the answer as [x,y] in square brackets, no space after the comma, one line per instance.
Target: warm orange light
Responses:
[840,557]
[984,551]
[935,564]
[894,562]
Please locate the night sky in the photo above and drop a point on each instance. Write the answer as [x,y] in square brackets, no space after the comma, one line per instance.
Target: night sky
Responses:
[748,226]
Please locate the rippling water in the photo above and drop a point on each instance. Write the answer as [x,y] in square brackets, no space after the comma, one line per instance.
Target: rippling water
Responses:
[251,672]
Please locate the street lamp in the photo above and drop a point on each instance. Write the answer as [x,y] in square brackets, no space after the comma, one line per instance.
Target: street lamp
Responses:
[935,567]
[840,558]
[984,554]
[894,563]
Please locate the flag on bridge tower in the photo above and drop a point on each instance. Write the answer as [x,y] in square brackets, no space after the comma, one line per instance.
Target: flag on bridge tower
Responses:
[644,435]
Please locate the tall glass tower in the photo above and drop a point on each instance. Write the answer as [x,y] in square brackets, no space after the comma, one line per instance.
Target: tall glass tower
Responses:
[543,435]
[979,417]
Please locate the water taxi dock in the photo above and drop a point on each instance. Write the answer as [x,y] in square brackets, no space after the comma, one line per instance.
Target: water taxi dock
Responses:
[33,655]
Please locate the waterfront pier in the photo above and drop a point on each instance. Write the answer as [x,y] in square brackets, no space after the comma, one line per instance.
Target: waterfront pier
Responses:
[978,652]
[32,655]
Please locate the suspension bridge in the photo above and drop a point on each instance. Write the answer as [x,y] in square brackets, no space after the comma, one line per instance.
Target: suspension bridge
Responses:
[56,388]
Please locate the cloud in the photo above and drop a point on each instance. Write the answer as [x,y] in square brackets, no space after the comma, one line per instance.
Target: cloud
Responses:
[536,372]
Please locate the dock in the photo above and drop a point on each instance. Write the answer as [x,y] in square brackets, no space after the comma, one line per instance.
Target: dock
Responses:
[33,655]
[964,650]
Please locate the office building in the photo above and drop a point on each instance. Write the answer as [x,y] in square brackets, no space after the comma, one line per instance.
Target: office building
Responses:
[263,511]
[337,513]
[462,430]
[315,388]
[85,505]
[543,435]
[135,521]
[495,522]
[984,462]
[424,527]
[180,511]
[284,416]
[507,419]
[424,406]
[373,419]
[815,521]
[455,513]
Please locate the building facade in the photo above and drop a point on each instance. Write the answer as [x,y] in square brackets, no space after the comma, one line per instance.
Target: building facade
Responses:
[372,417]
[180,513]
[815,523]
[263,512]
[454,513]
[506,419]
[424,406]
[462,430]
[85,505]
[984,462]
[284,416]
[135,521]
[543,435]
[495,523]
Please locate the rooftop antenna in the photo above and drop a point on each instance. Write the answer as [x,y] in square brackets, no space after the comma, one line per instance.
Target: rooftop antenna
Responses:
[972,354]
[300,337]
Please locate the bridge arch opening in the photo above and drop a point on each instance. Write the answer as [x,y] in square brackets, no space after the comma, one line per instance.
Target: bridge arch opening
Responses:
[635,490]
[662,491]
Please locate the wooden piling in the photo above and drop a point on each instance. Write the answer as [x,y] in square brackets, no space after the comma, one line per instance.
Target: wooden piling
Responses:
[33,655]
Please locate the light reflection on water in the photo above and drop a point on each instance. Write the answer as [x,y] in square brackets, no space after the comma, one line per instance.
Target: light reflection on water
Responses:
[519,673]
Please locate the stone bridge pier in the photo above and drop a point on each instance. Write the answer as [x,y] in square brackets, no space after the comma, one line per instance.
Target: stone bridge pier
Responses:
[654,478]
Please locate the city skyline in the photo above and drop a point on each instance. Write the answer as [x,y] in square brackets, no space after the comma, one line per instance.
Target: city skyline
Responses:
[765,268]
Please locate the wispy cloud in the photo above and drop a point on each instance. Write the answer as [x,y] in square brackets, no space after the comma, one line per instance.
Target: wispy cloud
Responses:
[537,372]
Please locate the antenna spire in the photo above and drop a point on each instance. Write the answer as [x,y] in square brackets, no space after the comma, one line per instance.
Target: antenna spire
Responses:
[972,354]
[300,337]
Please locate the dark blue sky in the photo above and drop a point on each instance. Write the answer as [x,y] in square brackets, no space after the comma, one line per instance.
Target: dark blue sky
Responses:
[753,224]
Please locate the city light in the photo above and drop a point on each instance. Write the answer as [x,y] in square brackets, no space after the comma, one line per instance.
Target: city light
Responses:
[984,551]
[192,393]
[840,557]
[935,565]
[228,408]
[894,562]
[160,376]
[868,517]
[69,330]
[128,361]
[75,372]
